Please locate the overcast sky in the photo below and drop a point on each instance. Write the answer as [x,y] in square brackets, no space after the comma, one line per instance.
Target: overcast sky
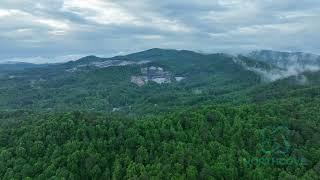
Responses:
[64,29]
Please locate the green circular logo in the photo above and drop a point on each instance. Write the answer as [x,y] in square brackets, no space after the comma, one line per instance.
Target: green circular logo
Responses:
[275,141]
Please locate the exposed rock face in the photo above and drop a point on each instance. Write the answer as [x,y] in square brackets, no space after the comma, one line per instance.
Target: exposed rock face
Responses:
[105,64]
[152,73]
[161,80]
[157,74]
[116,109]
[139,80]
[179,78]
[110,63]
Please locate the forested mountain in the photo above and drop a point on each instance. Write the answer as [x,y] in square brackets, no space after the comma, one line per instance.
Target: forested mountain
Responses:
[291,63]
[286,59]
[152,80]
[161,114]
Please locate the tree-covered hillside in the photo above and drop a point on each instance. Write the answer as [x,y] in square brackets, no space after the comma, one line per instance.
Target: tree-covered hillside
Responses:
[99,84]
[160,114]
[276,140]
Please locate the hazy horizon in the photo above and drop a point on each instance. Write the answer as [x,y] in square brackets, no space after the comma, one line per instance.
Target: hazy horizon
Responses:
[47,30]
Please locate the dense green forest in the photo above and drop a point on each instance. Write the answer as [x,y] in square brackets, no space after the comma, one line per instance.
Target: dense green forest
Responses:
[274,140]
[223,121]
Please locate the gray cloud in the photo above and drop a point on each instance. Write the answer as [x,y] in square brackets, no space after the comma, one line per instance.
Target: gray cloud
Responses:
[49,28]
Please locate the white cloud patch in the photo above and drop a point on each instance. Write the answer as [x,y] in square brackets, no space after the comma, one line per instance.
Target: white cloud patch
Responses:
[106,12]
[150,37]
[102,12]
[5,13]
[17,22]
[54,24]
[286,28]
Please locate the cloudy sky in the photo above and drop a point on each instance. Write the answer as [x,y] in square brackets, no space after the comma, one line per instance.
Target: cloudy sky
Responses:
[57,30]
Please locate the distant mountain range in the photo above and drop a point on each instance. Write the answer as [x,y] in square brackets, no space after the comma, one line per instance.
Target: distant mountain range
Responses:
[16,66]
[152,80]
[286,59]
[289,64]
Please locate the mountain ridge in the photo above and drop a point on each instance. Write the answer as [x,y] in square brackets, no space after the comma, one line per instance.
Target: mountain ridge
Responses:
[147,81]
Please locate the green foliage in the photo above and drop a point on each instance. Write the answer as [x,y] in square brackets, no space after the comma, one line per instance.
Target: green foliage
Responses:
[221,122]
[210,142]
